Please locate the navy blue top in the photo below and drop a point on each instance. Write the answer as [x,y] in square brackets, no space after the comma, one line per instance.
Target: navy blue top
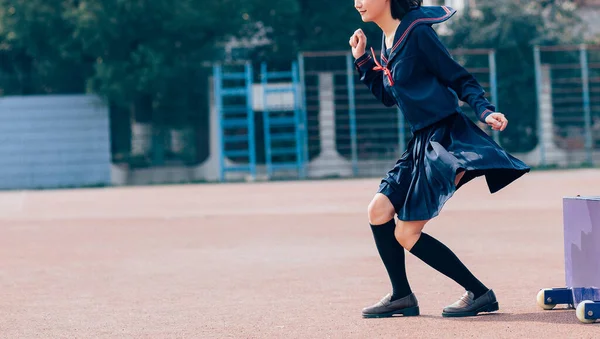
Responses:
[418,73]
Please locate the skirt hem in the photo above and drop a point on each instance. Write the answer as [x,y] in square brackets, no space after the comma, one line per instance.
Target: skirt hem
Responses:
[423,179]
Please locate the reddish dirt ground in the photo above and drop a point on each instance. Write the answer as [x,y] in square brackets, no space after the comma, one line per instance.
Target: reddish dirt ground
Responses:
[272,260]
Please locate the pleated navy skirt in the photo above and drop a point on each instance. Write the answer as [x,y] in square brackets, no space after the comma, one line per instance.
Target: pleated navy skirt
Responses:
[423,179]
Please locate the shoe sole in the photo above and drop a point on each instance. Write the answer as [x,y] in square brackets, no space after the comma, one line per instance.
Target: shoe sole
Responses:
[407,312]
[485,308]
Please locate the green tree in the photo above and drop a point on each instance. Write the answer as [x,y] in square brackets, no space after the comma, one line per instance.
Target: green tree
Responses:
[38,55]
[308,25]
[148,56]
[146,52]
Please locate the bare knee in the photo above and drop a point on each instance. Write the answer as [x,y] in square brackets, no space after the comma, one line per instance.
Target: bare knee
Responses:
[380,210]
[407,233]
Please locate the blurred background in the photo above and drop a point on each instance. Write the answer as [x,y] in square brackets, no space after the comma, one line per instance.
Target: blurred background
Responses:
[133,92]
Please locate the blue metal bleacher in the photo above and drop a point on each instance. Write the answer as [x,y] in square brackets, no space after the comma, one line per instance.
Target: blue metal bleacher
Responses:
[233,102]
[284,121]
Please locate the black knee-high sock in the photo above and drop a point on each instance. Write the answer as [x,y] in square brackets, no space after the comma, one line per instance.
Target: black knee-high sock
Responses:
[392,255]
[441,258]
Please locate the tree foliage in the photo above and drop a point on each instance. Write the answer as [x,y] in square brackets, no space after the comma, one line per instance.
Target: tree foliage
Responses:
[310,25]
[37,52]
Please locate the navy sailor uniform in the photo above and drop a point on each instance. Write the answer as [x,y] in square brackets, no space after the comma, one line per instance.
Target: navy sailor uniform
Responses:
[419,75]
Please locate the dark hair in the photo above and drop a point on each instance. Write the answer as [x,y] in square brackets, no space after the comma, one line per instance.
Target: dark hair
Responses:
[401,7]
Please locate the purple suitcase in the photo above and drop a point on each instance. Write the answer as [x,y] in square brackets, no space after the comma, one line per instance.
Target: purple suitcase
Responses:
[581,225]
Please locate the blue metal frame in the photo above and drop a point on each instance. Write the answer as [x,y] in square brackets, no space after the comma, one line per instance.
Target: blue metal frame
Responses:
[296,121]
[250,119]
[585,79]
[218,106]
[300,121]
[352,111]
[558,296]
[226,122]
[494,88]
[591,311]
[571,296]
[538,85]
[266,119]
[302,106]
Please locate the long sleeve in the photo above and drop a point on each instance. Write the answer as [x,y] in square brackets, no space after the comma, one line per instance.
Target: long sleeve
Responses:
[373,79]
[452,74]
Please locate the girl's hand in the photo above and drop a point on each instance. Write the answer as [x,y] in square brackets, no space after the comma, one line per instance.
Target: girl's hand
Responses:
[358,41]
[497,121]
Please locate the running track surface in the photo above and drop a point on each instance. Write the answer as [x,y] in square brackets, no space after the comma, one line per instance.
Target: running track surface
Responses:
[272,260]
